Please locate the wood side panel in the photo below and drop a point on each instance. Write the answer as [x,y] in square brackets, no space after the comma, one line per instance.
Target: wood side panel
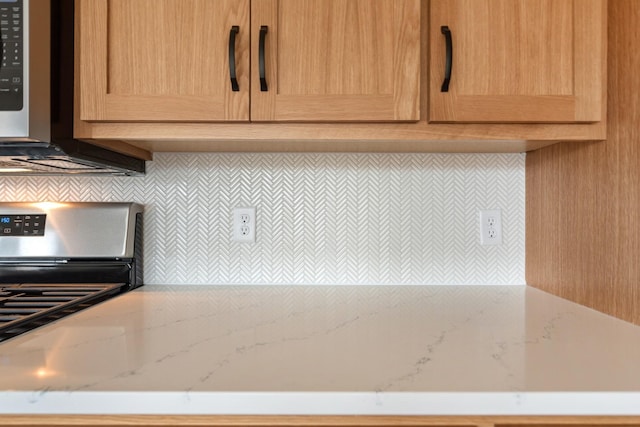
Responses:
[570,242]
[624,155]
[586,237]
[595,229]
[542,183]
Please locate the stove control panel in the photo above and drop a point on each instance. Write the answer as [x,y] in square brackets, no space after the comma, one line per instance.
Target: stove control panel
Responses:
[22,225]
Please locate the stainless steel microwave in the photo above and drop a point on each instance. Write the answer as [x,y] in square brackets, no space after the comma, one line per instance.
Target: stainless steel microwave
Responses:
[37,92]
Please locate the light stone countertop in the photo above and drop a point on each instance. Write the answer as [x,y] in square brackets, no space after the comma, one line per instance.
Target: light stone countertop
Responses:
[327,350]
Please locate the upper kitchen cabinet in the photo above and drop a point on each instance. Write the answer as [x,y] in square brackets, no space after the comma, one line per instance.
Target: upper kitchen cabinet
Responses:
[162,60]
[340,75]
[311,60]
[517,60]
[335,60]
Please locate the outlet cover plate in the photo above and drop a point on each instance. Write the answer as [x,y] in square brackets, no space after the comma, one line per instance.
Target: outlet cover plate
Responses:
[244,225]
[491,227]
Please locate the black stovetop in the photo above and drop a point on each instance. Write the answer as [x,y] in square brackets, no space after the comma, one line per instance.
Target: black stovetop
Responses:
[25,307]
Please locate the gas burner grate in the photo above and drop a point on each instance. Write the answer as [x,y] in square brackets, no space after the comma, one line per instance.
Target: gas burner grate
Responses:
[25,307]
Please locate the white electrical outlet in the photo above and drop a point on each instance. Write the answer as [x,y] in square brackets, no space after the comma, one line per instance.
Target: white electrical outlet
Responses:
[491,227]
[244,225]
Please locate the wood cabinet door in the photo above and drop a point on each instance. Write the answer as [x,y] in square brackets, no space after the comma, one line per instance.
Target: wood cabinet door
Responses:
[162,60]
[336,60]
[518,60]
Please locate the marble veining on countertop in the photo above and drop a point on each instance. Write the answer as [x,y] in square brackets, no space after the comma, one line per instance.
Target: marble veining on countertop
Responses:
[414,350]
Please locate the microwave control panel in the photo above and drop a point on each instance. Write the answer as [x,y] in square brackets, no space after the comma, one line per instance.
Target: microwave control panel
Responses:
[22,225]
[11,54]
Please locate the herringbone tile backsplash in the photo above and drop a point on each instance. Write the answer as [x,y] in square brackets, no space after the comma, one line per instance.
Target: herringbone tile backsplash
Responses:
[321,218]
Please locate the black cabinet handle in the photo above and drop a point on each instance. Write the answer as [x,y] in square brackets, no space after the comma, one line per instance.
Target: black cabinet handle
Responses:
[449,62]
[232,58]
[261,61]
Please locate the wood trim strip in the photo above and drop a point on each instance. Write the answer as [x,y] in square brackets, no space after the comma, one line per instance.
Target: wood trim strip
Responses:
[591,70]
[263,104]
[321,421]
[318,108]
[406,61]
[93,58]
[416,132]
[124,108]
[514,108]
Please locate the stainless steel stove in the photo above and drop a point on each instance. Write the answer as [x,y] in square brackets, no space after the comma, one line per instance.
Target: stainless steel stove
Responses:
[59,258]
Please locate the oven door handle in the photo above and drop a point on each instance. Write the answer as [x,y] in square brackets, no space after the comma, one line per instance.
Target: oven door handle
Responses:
[34,263]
